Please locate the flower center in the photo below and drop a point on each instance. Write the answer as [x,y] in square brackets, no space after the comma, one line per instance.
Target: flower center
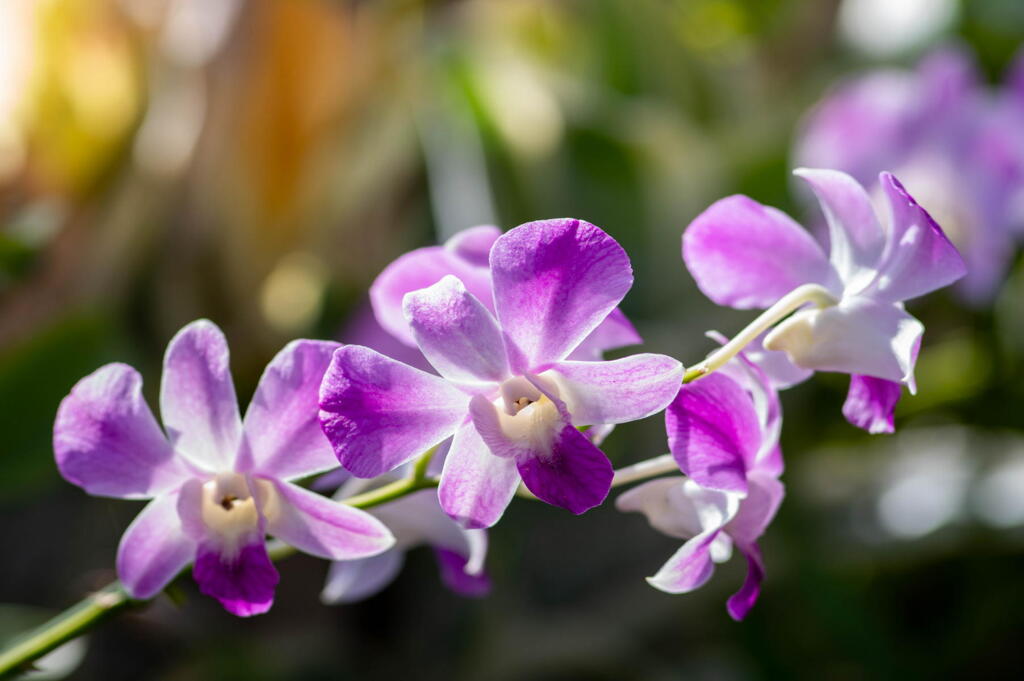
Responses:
[229,508]
[526,414]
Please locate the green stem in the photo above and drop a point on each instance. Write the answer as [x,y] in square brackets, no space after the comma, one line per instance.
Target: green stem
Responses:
[19,655]
[798,297]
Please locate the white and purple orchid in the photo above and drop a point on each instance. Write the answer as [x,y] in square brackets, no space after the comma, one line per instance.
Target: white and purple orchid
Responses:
[955,144]
[746,255]
[506,390]
[415,520]
[217,484]
[723,432]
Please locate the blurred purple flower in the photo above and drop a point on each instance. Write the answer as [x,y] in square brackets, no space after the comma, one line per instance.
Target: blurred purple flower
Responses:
[415,520]
[746,255]
[506,390]
[958,147]
[218,484]
[723,431]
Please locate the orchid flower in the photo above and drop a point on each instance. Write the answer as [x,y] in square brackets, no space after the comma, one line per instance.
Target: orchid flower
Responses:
[464,256]
[415,520]
[723,431]
[746,255]
[957,146]
[506,390]
[217,484]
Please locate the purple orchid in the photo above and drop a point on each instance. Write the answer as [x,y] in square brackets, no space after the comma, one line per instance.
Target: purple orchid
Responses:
[465,256]
[958,147]
[217,484]
[723,431]
[415,520]
[506,390]
[746,255]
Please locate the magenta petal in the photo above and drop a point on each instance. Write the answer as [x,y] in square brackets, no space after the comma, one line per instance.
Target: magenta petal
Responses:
[154,549]
[714,433]
[554,282]
[107,442]
[617,391]
[243,583]
[281,432]
[616,331]
[456,333]
[197,397]
[918,258]
[746,255]
[757,509]
[379,413]
[574,474]
[463,256]
[855,234]
[689,568]
[740,603]
[871,402]
[349,581]
[476,486]
[455,577]
[322,527]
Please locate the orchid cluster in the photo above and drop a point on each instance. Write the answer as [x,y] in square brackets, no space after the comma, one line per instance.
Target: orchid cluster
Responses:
[510,395]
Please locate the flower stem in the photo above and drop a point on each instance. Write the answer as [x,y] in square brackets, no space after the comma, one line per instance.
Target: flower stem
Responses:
[798,297]
[19,655]
[650,468]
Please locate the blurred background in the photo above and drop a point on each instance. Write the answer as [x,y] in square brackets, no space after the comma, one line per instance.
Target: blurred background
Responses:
[258,163]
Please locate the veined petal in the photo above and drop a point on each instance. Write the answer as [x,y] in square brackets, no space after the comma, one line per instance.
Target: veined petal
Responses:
[107,442]
[349,581]
[379,413]
[918,257]
[740,603]
[870,403]
[714,433]
[456,333]
[464,256]
[617,391]
[476,486]
[243,582]
[554,282]
[282,437]
[197,397]
[321,527]
[616,331]
[746,255]
[154,549]
[856,236]
[858,336]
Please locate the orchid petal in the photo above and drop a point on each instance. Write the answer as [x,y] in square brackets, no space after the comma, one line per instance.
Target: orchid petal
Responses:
[740,603]
[746,255]
[870,403]
[107,442]
[243,582]
[757,509]
[689,568]
[569,472]
[316,525]
[617,391]
[379,413]
[855,234]
[714,433]
[554,282]
[652,499]
[616,331]
[858,336]
[281,433]
[456,575]
[464,256]
[197,397]
[349,581]
[476,486]
[154,549]
[456,333]
[918,257]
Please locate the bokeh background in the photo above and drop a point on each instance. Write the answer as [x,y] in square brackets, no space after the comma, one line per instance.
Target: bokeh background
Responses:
[258,163]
